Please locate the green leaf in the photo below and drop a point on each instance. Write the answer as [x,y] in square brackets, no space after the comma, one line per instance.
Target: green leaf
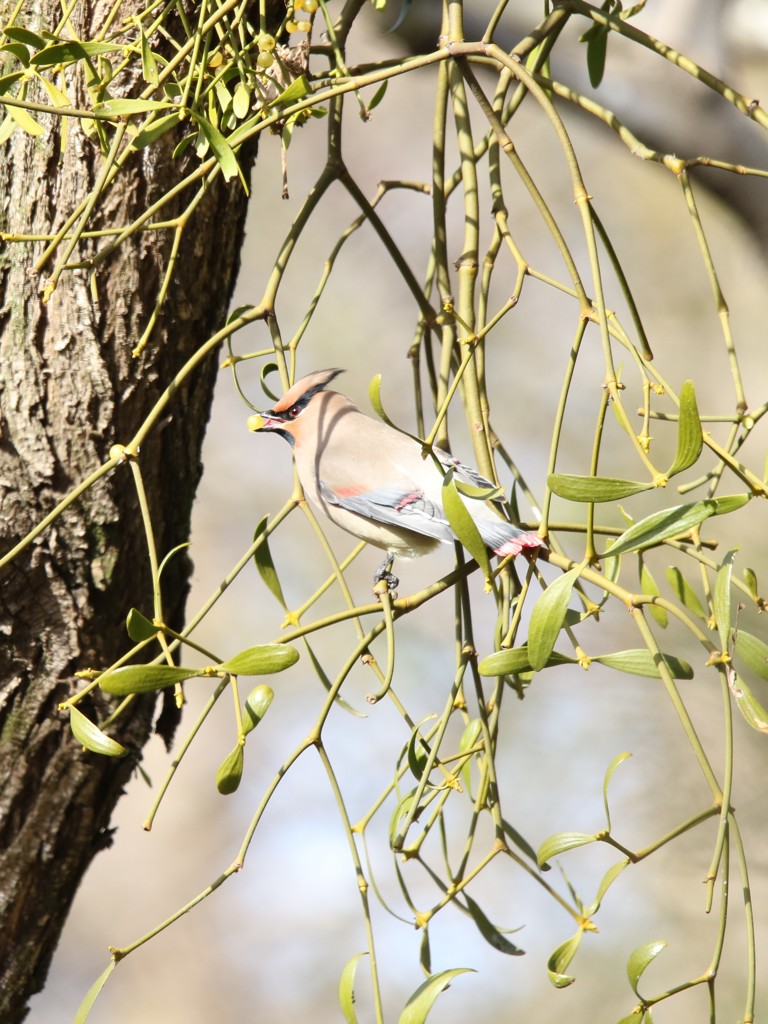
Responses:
[730,503]
[18,50]
[490,932]
[468,740]
[91,737]
[260,660]
[639,959]
[378,96]
[750,579]
[722,600]
[520,841]
[25,121]
[297,90]
[593,488]
[92,995]
[660,526]
[607,881]
[401,810]
[597,48]
[127,107]
[619,759]
[685,592]
[230,771]
[418,751]
[753,652]
[547,617]
[143,678]
[152,132]
[148,61]
[636,1017]
[241,101]
[690,437]
[463,525]
[750,707]
[561,958]
[225,156]
[641,662]
[8,80]
[256,706]
[65,53]
[649,586]
[561,842]
[24,35]
[262,556]
[421,1002]
[139,627]
[347,989]
[516,659]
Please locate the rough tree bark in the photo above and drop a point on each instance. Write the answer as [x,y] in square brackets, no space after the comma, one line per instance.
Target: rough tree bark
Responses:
[69,389]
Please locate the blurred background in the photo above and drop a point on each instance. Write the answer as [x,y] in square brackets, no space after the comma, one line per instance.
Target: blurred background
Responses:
[270,945]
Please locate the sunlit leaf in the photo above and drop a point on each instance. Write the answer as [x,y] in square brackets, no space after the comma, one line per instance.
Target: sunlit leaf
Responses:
[752,710]
[225,156]
[256,705]
[639,960]
[143,678]
[65,53]
[641,662]
[513,660]
[547,617]
[561,958]
[230,771]
[91,737]
[607,881]
[128,107]
[421,1002]
[660,526]
[148,60]
[594,488]
[649,586]
[684,592]
[347,989]
[561,842]
[469,738]
[619,759]
[24,120]
[92,995]
[260,660]
[753,652]
[722,600]
[690,437]
[297,90]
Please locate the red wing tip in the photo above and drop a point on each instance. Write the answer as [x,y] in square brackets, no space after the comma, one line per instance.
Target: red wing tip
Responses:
[517,544]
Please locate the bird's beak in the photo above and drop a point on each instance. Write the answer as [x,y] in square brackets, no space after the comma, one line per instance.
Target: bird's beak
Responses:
[259,421]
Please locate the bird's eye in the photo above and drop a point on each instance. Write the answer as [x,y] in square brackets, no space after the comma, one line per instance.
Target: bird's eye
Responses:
[293,412]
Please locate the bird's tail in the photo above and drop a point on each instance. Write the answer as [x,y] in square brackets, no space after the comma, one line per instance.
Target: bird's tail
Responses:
[505,539]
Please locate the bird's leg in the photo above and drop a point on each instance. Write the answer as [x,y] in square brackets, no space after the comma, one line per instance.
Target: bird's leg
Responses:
[384,573]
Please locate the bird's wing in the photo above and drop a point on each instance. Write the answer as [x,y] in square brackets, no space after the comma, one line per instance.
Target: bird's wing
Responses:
[407,509]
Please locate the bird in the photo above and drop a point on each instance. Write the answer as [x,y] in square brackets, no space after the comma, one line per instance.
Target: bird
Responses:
[374,481]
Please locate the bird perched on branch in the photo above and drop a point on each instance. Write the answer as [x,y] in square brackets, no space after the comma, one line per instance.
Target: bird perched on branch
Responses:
[373,481]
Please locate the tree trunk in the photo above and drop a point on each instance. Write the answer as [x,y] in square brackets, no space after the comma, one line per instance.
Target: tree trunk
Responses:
[69,390]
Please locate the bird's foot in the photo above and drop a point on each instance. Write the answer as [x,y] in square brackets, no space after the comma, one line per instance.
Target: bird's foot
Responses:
[384,575]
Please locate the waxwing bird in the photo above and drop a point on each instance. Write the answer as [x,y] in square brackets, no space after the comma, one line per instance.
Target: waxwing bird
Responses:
[373,481]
